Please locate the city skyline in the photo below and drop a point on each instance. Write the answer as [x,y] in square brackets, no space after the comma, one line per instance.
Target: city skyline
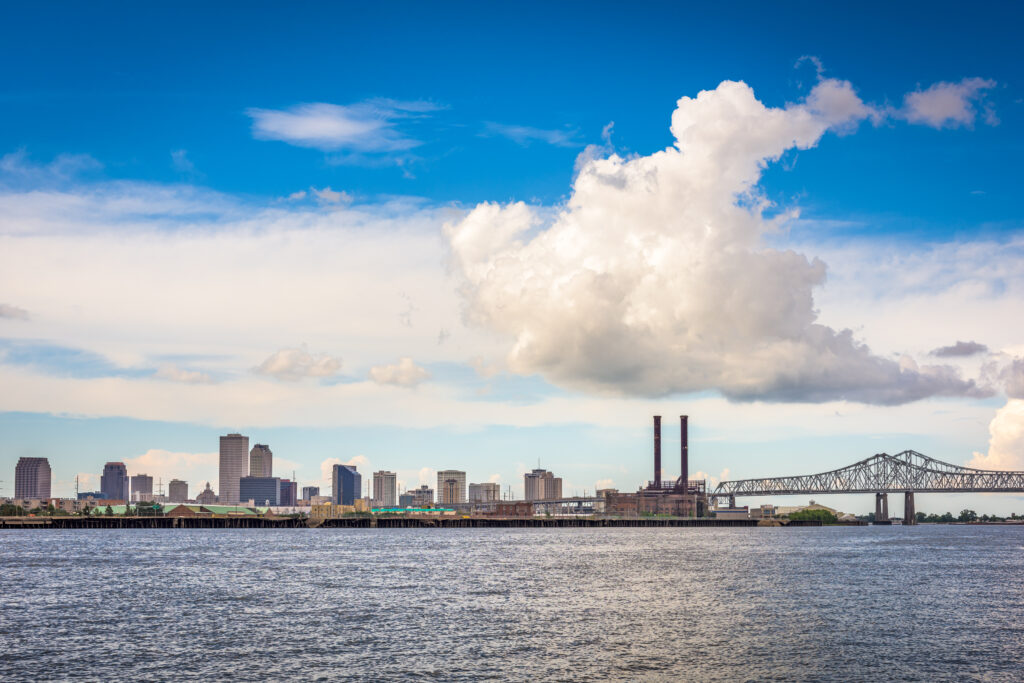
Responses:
[466,261]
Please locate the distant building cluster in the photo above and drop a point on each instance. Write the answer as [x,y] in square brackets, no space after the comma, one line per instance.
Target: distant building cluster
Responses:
[246,479]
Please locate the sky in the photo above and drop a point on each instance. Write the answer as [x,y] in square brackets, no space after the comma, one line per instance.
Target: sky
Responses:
[473,236]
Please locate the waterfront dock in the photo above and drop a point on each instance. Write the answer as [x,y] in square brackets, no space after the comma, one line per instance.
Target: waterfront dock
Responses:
[365,522]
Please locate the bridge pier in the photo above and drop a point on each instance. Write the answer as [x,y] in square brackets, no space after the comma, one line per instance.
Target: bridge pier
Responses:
[881,507]
[732,502]
[909,514]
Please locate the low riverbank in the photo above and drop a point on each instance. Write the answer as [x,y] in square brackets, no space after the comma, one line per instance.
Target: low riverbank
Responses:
[396,522]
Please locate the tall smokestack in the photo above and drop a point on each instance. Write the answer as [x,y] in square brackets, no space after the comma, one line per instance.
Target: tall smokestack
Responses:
[684,451]
[657,451]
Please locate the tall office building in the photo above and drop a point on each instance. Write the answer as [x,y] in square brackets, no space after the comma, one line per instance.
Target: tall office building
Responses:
[234,464]
[541,485]
[289,493]
[309,491]
[487,492]
[385,488]
[451,487]
[423,497]
[346,485]
[177,491]
[32,478]
[260,490]
[261,461]
[142,487]
[114,481]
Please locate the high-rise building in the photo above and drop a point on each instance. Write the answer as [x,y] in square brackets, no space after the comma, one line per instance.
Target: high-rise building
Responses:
[32,478]
[422,497]
[346,485]
[177,491]
[309,491]
[541,485]
[234,464]
[142,487]
[484,493]
[114,481]
[207,496]
[261,461]
[260,490]
[385,488]
[451,487]
[289,493]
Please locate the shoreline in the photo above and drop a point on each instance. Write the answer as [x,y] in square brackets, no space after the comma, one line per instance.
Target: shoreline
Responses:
[372,523]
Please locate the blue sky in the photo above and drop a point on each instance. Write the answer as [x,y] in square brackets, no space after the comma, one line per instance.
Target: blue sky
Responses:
[247,217]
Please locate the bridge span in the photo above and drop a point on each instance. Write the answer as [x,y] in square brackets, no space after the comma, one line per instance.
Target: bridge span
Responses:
[907,472]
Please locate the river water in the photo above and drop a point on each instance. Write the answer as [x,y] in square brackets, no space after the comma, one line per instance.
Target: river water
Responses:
[923,603]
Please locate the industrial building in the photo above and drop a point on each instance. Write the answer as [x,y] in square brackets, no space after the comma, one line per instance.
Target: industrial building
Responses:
[682,497]
[487,492]
[417,498]
[308,492]
[32,478]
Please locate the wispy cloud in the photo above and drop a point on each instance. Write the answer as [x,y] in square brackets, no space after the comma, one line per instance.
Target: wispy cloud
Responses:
[13,312]
[961,349]
[297,363]
[365,127]
[524,135]
[405,373]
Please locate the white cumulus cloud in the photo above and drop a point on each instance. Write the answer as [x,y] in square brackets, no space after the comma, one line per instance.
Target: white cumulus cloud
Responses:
[297,363]
[1006,445]
[949,105]
[654,278]
[405,373]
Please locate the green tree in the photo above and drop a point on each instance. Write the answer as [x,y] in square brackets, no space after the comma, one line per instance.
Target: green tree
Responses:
[823,516]
[86,511]
[11,510]
[947,517]
[920,517]
[109,511]
[968,516]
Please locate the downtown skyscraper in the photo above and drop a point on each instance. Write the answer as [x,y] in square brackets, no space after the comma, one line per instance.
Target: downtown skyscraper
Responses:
[234,464]
[32,478]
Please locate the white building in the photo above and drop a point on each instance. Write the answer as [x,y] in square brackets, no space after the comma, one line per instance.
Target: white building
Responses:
[385,489]
[234,464]
[451,487]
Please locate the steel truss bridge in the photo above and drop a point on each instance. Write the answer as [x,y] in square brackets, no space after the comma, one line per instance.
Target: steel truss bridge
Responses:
[907,472]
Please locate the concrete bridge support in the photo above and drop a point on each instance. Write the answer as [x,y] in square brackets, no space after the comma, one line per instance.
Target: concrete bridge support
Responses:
[881,507]
[909,514]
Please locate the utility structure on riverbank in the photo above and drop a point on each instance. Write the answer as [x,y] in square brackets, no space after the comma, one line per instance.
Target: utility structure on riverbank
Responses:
[683,497]
[908,473]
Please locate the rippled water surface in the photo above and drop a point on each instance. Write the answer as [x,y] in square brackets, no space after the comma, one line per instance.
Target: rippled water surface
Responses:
[869,603]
